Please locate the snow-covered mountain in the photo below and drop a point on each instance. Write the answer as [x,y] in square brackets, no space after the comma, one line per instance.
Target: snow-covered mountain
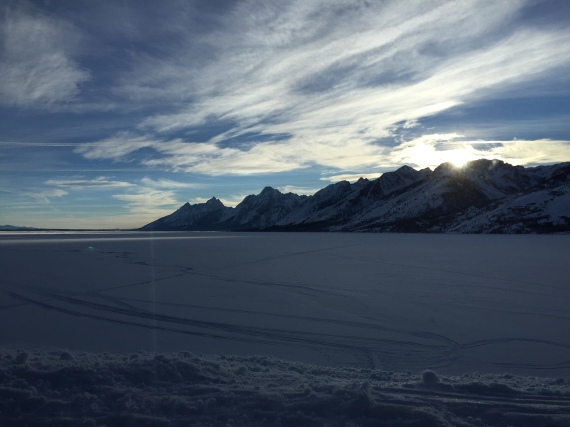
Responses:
[326,206]
[484,196]
[545,210]
[200,216]
[15,228]
[255,211]
[263,210]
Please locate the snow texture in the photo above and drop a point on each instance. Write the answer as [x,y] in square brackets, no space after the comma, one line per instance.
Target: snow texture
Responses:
[57,388]
[294,329]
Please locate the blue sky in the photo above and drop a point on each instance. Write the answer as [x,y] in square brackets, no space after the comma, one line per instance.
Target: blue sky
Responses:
[114,113]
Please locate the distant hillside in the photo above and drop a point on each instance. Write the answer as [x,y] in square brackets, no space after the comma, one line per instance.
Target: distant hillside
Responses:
[484,196]
[15,228]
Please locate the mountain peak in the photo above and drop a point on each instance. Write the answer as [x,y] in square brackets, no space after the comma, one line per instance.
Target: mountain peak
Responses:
[269,190]
[214,202]
[446,168]
[405,169]
[450,198]
[485,164]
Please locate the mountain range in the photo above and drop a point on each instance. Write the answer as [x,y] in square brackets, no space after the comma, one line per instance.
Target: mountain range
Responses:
[16,228]
[483,196]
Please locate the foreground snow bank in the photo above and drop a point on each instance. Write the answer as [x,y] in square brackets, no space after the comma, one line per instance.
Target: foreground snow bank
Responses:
[41,387]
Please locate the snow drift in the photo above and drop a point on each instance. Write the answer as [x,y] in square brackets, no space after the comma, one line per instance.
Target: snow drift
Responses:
[40,387]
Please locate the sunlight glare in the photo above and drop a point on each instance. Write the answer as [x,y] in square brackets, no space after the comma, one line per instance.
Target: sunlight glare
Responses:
[457,157]
[433,150]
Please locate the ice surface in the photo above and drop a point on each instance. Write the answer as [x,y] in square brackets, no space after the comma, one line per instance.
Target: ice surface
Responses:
[362,307]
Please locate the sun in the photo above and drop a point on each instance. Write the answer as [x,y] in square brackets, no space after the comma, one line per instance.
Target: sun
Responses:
[436,150]
[458,157]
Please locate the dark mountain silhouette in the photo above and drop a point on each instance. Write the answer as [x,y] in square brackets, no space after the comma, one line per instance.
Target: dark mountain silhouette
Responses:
[483,196]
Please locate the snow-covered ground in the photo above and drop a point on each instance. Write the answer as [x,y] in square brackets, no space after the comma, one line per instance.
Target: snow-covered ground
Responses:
[284,329]
[61,388]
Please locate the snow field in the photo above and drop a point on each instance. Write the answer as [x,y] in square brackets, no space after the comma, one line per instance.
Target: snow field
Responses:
[352,329]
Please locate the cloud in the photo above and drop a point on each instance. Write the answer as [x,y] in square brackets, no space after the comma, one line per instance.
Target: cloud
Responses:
[301,70]
[428,150]
[531,152]
[80,183]
[45,195]
[146,196]
[298,190]
[211,159]
[270,79]
[432,150]
[148,202]
[166,183]
[115,147]
[36,62]
[274,55]
[350,177]
[231,201]
[409,124]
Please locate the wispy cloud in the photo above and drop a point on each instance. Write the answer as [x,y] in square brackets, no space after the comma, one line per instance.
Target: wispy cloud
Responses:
[337,79]
[432,150]
[44,195]
[81,183]
[231,201]
[351,177]
[211,159]
[304,72]
[167,183]
[298,190]
[116,147]
[425,151]
[531,152]
[36,62]
[267,59]
[222,92]
[149,203]
[146,198]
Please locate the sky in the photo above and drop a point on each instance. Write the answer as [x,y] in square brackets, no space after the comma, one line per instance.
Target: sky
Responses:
[114,113]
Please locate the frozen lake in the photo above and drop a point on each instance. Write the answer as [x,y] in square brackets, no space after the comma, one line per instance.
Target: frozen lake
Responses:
[452,303]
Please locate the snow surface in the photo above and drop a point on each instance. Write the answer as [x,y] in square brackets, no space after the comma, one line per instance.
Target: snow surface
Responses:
[62,388]
[542,206]
[295,328]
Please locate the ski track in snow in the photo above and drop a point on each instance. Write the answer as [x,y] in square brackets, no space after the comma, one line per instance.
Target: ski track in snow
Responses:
[367,345]
[393,348]
[432,350]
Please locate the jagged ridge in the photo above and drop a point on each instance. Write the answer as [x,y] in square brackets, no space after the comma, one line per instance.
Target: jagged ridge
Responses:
[484,196]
